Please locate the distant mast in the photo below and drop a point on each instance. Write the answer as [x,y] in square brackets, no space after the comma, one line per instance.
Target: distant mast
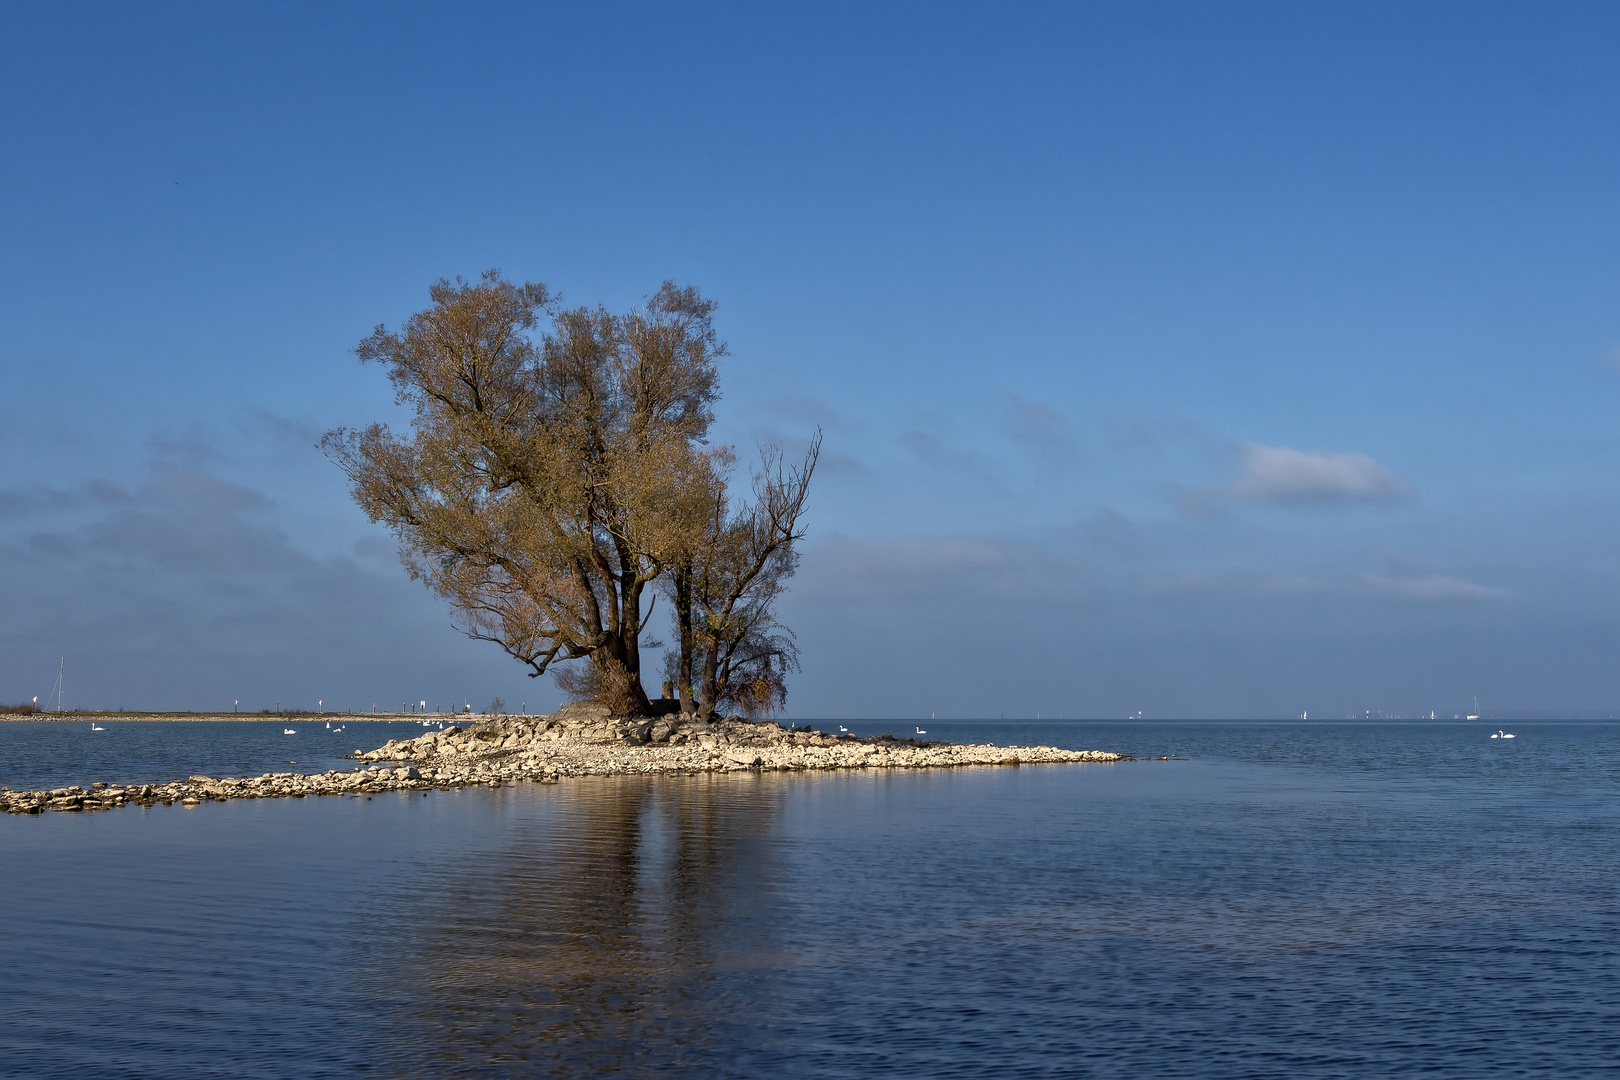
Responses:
[61,669]
[1475,714]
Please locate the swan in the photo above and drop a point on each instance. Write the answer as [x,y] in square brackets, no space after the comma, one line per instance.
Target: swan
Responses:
[288,731]
[920,731]
[94,728]
[1502,734]
[841,727]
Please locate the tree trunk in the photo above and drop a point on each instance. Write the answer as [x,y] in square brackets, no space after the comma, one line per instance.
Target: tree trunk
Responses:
[619,676]
[711,680]
[683,621]
[621,691]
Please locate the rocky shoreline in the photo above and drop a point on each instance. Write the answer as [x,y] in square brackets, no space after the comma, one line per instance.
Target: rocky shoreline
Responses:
[577,740]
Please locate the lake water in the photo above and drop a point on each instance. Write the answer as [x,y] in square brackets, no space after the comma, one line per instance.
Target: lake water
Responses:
[37,754]
[1293,900]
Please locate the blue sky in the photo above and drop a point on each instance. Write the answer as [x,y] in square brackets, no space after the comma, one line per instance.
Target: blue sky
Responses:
[1204,360]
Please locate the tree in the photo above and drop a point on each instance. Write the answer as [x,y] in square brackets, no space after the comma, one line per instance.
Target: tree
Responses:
[730,649]
[550,478]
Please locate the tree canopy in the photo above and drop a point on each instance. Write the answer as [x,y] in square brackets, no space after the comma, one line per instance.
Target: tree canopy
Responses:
[557,479]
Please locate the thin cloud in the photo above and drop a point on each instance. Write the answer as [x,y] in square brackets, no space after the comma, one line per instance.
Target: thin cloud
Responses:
[181,521]
[292,431]
[848,466]
[20,504]
[940,455]
[939,567]
[193,447]
[1396,561]
[1430,588]
[383,550]
[805,409]
[1043,429]
[1283,474]
[924,446]
[1434,587]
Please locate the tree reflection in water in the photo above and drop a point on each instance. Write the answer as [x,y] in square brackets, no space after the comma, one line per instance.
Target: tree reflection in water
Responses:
[623,925]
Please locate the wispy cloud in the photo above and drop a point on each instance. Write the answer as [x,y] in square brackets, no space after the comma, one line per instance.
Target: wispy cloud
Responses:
[1431,588]
[847,466]
[938,567]
[17,504]
[382,550]
[1283,474]
[1435,587]
[300,432]
[1043,429]
[193,447]
[941,455]
[802,409]
[924,446]
[180,521]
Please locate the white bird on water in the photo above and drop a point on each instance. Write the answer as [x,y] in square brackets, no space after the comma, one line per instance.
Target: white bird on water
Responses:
[288,731]
[94,728]
[920,731]
[841,727]
[1500,734]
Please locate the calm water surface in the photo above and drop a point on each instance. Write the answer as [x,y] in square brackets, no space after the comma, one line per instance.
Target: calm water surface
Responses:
[1292,900]
[55,753]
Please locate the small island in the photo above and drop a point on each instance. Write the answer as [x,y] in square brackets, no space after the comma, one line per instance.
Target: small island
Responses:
[582,739]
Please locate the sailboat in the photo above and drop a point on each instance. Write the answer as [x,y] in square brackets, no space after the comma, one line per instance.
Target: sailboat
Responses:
[1475,714]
